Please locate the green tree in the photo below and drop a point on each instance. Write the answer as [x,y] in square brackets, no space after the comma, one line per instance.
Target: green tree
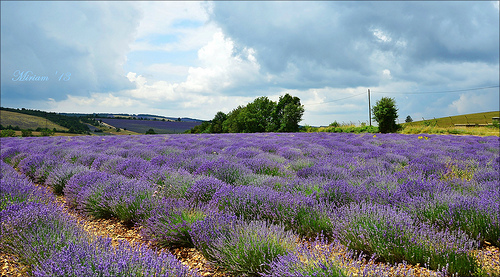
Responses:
[262,115]
[217,123]
[408,119]
[258,115]
[235,121]
[287,114]
[8,133]
[386,113]
[26,133]
[150,132]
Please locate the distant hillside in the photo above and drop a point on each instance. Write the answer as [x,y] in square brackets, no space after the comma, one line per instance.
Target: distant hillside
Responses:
[73,124]
[483,118]
[25,121]
[132,116]
[142,126]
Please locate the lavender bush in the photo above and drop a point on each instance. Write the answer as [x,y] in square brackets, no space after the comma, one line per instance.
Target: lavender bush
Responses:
[323,259]
[61,174]
[478,215]
[242,248]
[204,188]
[301,213]
[14,189]
[34,231]
[171,183]
[170,223]
[80,182]
[101,258]
[131,201]
[395,236]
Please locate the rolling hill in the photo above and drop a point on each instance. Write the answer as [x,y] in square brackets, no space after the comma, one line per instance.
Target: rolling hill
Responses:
[25,121]
[484,118]
[142,126]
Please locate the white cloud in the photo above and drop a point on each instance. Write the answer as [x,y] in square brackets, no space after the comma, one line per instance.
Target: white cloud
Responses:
[387,73]
[96,102]
[472,102]
[220,69]
[382,36]
[186,22]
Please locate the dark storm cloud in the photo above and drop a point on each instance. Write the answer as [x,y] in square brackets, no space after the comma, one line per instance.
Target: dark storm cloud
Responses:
[355,41]
[74,47]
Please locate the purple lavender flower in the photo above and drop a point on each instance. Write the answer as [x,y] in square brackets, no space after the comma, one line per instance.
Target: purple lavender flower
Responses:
[61,174]
[15,188]
[204,188]
[242,248]
[170,221]
[101,258]
[395,236]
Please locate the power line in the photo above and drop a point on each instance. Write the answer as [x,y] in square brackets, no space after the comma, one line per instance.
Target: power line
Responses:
[430,92]
[393,92]
[340,99]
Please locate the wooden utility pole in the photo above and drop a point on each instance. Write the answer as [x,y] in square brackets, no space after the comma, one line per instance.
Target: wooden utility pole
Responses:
[369,107]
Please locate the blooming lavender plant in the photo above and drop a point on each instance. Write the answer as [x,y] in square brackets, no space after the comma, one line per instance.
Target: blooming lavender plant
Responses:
[7,153]
[45,238]
[101,258]
[60,176]
[37,166]
[170,222]
[97,199]
[478,215]
[204,188]
[301,213]
[15,188]
[34,231]
[242,248]
[131,201]
[171,183]
[81,181]
[395,236]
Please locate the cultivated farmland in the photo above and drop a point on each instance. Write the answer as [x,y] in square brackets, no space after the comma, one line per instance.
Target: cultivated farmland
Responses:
[142,126]
[25,121]
[274,204]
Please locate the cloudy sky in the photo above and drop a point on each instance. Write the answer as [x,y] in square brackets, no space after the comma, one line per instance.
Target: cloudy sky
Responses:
[192,59]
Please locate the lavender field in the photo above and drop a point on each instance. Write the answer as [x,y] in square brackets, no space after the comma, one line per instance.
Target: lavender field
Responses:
[255,204]
[160,127]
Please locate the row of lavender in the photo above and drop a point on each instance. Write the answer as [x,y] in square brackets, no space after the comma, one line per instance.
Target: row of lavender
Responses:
[52,243]
[428,200]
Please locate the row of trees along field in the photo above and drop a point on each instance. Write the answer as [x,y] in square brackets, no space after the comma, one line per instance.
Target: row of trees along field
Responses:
[262,115]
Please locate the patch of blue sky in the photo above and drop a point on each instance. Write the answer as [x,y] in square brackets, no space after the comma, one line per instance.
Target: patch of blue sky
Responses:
[187,24]
[187,58]
[159,39]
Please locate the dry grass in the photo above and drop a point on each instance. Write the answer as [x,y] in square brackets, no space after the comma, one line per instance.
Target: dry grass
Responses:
[25,121]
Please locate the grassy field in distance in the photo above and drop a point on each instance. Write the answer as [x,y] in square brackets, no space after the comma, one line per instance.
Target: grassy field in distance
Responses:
[475,118]
[25,121]
[456,125]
